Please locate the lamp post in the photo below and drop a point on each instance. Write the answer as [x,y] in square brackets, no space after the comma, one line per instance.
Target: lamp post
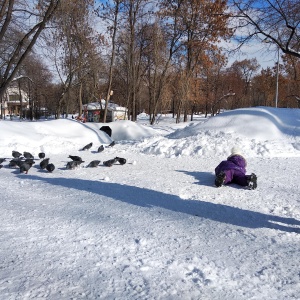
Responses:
[277,70]
[1,109]
[277,78]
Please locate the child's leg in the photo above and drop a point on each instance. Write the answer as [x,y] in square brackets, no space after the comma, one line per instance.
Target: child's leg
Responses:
[240,178]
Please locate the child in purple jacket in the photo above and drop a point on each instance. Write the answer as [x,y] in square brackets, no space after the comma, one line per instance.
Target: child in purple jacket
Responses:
[233,170]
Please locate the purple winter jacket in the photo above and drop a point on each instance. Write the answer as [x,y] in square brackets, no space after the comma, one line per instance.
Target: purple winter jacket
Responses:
[233,162]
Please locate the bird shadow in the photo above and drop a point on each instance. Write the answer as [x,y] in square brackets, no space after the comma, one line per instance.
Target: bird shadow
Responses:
[96,152]
[150,198]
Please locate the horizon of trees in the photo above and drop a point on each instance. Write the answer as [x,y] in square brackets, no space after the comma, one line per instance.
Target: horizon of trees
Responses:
[162,56]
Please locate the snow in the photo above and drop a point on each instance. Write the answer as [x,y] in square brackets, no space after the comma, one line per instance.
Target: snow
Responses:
[156,227]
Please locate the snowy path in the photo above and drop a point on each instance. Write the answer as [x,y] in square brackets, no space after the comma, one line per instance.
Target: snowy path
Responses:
[146,234]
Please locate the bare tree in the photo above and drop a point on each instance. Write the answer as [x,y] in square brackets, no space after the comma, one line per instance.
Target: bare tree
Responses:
[199,26]
[16,37]
[275,21]
[157,59]
[110,13]
[34,78]
[72,42]
[135,16]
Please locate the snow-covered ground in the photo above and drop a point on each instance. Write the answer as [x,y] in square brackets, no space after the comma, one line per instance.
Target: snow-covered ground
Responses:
[156,227]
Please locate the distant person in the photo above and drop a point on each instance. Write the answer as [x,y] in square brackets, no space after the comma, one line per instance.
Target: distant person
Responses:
[233,170]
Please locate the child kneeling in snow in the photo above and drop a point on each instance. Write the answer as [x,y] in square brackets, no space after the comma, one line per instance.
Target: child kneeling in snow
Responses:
[233,170]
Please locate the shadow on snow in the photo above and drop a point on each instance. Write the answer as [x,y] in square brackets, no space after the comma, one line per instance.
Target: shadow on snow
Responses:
[150,198]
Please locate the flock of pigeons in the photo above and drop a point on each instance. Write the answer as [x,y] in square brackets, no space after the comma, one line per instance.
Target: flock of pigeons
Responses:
[26,161]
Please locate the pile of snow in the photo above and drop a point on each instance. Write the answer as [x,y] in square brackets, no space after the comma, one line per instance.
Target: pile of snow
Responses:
[263,132]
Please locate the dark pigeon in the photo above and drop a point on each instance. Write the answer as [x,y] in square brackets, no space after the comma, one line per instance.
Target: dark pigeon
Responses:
[15,163]
[42,155]
[75,158]
[120,160]
[24,167]
[44,163]
[29,161]
[87,147]
[93,164]
[2,160]
[73,164]
[28,155]
[16,154]
[101,148]
[50,167]
[110,162]
[111,144]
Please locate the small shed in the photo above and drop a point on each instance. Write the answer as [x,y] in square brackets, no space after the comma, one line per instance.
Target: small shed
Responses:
[94,112]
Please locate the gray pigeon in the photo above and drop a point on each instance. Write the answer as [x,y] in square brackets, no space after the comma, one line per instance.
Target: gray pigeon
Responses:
[16,154]
[42,155]
[87,147]
[110,162]
[75,158]
[50,167]
[29,161]
[112,144]
[73,164]
[101,148]
[24,167]
[28,155]
[93,164]
[122,161]
[14,163]
[44,163]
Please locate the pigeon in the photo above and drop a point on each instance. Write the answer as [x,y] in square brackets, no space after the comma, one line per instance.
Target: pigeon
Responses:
[110,162]
[75,158]
[15,163]
[73,164]
[44,163]
[42,155]
[24,167]
[112,144]
[50,167]
[122,161]
[29,161]
[16,154]
[87,147]
[27,155]
[93,164]
[101,148]
[2,160]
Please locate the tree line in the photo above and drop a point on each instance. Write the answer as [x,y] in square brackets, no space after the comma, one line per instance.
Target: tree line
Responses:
[160,56]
